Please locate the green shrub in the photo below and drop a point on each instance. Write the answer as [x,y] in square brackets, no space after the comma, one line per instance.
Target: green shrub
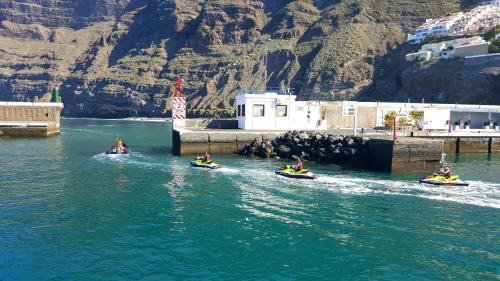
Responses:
[415,115]
[494,46]
[211,113]
[490,34]
[389,119]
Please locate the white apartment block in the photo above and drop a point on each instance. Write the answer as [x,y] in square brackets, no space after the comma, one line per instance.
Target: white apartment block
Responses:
[458,48]
[434,26]
[478,19]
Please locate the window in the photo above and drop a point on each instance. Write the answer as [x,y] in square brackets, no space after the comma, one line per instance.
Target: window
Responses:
[258,110]
[281,111]
[243,110]
[239,110]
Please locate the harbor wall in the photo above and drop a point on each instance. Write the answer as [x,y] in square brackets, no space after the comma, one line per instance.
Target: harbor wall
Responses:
[407,155]
[30,119]
[472,145]
[480,141]
[192,142]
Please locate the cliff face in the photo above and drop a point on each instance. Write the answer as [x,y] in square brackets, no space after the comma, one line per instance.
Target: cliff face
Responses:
[119,58]
[470,81]
[64,13]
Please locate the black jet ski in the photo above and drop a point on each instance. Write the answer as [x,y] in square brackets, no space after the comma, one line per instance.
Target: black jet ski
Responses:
[440,179]
[199,163]
[290,172]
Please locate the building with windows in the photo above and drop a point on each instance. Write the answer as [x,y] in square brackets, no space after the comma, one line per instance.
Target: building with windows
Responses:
[440,26]
[458,48]
[477,20]
[276,109]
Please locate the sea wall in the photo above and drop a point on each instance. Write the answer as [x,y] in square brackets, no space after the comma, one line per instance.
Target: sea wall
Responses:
[471,145]
[376,154]
[406,155]
[27,119]
[196,141]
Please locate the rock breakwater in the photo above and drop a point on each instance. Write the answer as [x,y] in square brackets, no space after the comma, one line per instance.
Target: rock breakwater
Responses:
[313,146]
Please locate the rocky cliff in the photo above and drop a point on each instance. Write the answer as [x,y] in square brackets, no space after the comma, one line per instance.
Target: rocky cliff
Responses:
[119,58]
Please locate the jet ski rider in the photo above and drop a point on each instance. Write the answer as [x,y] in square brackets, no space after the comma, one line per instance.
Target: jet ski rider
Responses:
[206,157]
[120,146]
[299,166]
[447,172]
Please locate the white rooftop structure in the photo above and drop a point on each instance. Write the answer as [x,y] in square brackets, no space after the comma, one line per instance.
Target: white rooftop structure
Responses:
[276,109]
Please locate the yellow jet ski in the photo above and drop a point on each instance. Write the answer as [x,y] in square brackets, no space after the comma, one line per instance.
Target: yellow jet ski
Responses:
[439,179]
[199,163]
[290,172]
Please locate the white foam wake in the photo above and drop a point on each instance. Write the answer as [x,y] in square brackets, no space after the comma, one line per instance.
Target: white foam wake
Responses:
[477,193]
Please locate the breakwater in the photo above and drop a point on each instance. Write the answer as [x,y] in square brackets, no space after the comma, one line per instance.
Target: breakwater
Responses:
[29,119]
[313,146]
[377,153]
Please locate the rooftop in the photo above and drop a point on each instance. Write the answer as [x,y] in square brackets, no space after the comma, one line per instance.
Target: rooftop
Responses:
[266,90]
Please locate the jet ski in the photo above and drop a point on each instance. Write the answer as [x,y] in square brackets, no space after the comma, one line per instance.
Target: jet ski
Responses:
[116,150]
[439,179]
[199,163]
[290,172]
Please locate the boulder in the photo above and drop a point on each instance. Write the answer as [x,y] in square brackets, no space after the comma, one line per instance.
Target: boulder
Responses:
[303,136]
[297,148]
[349,152]
[330,139]
[256,143]
[284,151]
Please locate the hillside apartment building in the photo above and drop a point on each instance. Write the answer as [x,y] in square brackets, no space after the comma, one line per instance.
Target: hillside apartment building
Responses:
[480,18]
[458,48]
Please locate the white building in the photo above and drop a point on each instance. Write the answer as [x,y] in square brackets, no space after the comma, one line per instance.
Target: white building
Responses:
[420,56]
[458,48]
[478,19]
[440,26]
[276,110]
[438,117]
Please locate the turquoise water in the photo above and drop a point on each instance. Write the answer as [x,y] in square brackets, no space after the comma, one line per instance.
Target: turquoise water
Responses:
[69,212]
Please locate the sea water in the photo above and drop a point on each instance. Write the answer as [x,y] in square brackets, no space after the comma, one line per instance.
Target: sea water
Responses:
[70,212]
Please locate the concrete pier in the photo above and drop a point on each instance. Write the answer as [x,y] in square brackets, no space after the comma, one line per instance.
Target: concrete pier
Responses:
[404,156]
[473,141]
[197,141]
[407,155]
[29,119]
